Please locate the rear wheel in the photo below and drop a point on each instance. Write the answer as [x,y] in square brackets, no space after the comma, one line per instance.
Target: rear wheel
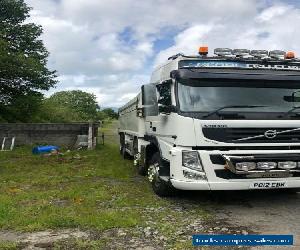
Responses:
[122,142]
[142,170]
[123,151]
[159,186]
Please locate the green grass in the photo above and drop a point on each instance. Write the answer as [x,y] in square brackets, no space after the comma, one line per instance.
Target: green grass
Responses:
[55,192]
[90,190]
[8,245]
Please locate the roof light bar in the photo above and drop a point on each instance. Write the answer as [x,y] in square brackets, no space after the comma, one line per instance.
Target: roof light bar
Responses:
[277,54]
[223,52]
[249,54]
[259,53]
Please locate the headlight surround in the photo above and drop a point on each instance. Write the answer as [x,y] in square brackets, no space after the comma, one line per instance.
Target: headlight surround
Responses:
[191,160]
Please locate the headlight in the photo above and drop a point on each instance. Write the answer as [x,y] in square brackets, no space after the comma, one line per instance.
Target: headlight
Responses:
[191,160]
[266,165]
[287,165]
[245,166]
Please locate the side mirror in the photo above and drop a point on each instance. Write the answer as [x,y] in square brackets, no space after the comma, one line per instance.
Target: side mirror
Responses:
[149,101]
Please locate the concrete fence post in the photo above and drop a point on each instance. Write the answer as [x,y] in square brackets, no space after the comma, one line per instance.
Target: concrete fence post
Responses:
[90,136]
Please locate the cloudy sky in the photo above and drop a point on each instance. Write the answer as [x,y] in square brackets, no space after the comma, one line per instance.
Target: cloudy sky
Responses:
[109,47]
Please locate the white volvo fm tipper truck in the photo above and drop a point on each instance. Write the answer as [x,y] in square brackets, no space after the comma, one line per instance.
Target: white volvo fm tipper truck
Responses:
[225,122]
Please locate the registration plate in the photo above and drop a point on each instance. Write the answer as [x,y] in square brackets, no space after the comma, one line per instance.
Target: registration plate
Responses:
[268,184]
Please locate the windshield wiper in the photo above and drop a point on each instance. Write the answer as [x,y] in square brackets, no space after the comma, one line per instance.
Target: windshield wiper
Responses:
[231,106]
[290,111]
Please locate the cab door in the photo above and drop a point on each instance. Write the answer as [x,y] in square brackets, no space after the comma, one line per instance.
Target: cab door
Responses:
[150,107]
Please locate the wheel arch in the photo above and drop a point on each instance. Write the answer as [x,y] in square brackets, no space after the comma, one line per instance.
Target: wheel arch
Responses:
[153,148]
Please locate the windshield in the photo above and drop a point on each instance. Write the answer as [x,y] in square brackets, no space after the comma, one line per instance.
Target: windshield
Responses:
[210,95]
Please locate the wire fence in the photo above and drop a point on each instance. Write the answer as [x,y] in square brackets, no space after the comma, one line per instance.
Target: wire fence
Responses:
[104,137]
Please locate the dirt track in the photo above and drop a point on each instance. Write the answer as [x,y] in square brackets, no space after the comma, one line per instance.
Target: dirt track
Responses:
[272,212]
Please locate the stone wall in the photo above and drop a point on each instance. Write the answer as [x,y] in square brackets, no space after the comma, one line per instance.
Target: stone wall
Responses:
[60,134]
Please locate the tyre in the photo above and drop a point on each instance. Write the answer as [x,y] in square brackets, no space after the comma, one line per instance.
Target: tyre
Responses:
[159,186]
[142,170]
[122,143]
[124,153]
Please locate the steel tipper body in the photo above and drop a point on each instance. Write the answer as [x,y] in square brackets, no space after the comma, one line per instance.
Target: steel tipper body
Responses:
[228,122]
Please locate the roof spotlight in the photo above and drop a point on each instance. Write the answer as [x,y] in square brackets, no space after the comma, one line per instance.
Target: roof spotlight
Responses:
[223,52]
[241,52]
[259,53]
[277,54]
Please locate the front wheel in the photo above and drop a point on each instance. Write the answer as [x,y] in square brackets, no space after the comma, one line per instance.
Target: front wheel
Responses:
[159,186]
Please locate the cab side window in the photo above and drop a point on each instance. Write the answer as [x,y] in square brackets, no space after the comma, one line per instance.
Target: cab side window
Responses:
[164,92]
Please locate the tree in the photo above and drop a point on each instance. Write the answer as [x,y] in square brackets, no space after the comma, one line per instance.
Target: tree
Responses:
[110,113]
[23,59]
[24,108]
[74,105]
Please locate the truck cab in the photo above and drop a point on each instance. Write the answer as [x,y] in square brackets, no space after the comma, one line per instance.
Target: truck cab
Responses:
[225,122]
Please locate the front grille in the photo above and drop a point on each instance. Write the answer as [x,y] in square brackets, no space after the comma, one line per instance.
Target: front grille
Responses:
[253,135]
[217,159]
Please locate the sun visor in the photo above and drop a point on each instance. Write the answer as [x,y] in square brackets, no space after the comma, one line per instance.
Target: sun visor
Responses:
[273,75]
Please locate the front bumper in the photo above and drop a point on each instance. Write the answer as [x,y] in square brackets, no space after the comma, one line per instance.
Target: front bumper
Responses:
[213,182]
[228,185]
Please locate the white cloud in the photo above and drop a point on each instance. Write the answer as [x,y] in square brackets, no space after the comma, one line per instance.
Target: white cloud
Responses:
[187,42]
[111,90]
[271,29]
[107,46]
[273,12]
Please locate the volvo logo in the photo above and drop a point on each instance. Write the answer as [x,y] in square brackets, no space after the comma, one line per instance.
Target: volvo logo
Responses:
[270,134]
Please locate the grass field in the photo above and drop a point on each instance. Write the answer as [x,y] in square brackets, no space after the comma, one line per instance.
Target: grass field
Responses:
[95,191]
